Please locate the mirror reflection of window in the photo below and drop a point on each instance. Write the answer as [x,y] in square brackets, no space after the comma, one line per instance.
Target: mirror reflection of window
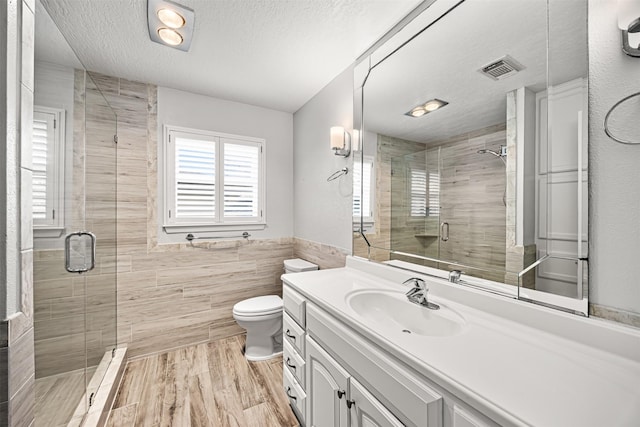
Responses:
[48,172]
[363,187]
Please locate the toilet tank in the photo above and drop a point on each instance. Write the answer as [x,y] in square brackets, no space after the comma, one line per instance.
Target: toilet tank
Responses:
[298,265]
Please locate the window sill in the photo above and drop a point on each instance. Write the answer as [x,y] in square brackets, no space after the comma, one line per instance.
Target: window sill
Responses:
[367,225]
[47,232]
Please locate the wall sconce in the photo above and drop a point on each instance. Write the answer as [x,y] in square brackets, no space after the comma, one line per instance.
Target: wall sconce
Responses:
[340,141]
[170,24]
[629,23]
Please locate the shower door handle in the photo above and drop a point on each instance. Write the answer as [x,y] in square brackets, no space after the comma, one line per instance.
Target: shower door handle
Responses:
[67,252]
[444,231]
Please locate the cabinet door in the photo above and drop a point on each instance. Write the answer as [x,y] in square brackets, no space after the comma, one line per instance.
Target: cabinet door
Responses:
[366,410]
[326,389]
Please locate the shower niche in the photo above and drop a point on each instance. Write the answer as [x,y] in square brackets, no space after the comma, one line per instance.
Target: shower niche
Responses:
[490,180]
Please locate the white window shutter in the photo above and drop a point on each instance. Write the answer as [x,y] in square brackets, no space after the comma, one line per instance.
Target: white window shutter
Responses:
[241,179]
[418,200]
[41,144]
[195,178]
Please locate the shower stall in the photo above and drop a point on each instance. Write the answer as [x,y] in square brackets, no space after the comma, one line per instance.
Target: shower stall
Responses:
[74,216]
[448,204]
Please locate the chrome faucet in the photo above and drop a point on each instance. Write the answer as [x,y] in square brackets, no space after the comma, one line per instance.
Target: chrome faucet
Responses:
[454,276]
[418,294]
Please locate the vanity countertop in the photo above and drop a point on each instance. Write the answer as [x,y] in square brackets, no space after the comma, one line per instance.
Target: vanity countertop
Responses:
[519,363]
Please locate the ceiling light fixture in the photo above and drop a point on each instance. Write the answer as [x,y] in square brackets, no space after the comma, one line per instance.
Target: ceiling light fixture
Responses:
[427,107]
[170,24]
[170,37]
[171,18]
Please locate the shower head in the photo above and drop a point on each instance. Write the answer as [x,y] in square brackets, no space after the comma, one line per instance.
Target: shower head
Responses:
[485,151]
[502,153]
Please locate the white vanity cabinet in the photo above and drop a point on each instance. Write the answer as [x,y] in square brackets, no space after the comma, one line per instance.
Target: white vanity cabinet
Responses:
[293,352]
[327,389]
[382,388]
[336,399]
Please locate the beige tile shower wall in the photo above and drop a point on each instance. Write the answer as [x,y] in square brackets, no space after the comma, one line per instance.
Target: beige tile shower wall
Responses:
[471,199]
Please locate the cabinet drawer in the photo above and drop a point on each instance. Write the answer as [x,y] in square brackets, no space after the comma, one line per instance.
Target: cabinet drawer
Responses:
[293,334]
[294,304]
[292,361]
[408,398]
[297,396]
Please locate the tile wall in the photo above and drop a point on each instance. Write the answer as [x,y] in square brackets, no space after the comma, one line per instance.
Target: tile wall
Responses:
[16,332]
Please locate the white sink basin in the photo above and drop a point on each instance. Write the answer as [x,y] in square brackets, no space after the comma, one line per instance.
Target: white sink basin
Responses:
[392,310]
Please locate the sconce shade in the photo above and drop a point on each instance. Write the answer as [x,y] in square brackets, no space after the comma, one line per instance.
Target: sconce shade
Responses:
[337,137]
[629,25]
[340,141]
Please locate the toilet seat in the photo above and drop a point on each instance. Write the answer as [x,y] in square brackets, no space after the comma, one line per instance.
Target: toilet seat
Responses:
[259,306]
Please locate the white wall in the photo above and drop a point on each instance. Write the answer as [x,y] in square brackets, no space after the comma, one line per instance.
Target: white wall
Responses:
[614,249]
[190,110]
[323,210]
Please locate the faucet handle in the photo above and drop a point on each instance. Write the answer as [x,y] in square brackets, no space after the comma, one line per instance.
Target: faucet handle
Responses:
[417,282]
[454,276]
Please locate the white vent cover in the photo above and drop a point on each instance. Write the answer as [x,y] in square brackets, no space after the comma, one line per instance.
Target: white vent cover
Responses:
[501,68]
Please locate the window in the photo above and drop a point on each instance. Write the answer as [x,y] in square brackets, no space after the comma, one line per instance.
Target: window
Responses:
[48,171]
[424,193]
[212,180]
[363,191]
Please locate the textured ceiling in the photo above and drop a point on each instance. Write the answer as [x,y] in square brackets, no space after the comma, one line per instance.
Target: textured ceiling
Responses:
[271,53]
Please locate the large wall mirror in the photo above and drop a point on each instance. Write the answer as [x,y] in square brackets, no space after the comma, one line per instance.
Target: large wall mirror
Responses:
[473,158]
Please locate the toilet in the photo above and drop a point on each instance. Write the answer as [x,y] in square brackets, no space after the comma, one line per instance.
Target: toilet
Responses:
[261,317]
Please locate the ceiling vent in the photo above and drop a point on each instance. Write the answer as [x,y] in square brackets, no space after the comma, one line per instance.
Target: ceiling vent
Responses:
[502,68]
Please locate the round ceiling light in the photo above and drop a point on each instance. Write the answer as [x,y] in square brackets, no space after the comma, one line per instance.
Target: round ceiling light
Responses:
[432,105]
[418,111]
[170,37]
[171,18]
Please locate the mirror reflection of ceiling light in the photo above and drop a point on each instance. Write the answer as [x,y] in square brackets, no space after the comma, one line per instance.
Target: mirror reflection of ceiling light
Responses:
[170,24]
[427,107]
[171,18]
[169,36]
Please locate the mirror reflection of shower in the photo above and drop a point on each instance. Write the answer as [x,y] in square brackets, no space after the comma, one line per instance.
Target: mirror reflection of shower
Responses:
[501,155]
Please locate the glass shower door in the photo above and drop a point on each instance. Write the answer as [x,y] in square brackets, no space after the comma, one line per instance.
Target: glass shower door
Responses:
[74,230]
[100,173]
[415,206]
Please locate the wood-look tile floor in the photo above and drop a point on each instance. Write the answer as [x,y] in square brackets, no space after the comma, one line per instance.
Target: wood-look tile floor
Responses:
[210,384]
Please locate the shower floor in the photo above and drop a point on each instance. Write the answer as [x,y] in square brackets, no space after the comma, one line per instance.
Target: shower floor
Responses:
[57,397]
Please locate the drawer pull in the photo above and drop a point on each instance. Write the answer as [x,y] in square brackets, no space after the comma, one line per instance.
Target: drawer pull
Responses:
[289,394]
[341,393]
[350,403]
[288,334]
[288,362]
